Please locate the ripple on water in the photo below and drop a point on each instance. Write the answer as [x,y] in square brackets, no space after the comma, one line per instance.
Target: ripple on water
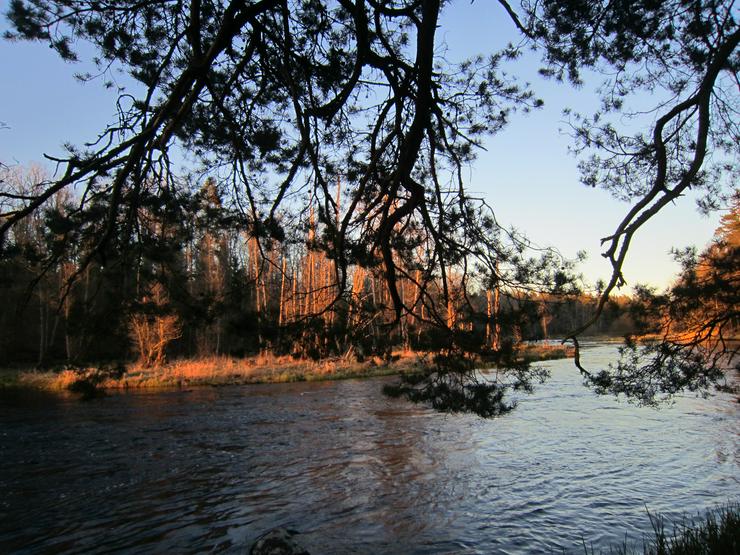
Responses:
[354,472]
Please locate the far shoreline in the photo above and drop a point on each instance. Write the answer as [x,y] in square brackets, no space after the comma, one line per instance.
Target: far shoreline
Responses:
[225,370]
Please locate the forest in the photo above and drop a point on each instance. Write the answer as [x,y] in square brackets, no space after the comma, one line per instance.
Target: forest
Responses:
[197,286]
[326,213]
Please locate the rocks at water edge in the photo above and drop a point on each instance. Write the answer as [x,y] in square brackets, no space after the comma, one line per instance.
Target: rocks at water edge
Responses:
[277,542]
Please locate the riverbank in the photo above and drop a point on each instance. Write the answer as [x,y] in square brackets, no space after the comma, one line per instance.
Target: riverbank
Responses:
[716,532]
[220,371]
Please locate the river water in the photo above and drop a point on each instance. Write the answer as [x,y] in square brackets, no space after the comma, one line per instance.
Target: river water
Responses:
[208,470]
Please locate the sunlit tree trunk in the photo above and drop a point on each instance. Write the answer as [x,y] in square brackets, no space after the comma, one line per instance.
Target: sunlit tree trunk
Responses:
[493,322]
[294,302]
[281,307]
[42,326]
[449,293]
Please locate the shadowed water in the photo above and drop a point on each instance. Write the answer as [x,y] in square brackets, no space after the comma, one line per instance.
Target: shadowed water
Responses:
[212,468]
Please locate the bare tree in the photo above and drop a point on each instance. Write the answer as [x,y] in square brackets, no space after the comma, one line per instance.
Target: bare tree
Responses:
[153,326]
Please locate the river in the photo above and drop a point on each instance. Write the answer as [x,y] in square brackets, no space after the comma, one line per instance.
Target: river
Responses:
[209,469]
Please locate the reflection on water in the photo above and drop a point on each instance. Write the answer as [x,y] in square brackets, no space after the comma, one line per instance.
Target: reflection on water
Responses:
[210,469]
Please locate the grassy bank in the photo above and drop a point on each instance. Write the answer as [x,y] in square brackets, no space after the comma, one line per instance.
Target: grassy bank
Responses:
[717,532]
[217,371]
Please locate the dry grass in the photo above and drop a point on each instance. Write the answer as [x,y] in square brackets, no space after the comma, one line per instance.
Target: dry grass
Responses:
[532,352]
[44,380]
[216,371]
[264,368]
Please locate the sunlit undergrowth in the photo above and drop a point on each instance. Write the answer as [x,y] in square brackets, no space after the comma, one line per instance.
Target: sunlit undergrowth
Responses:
[214,371]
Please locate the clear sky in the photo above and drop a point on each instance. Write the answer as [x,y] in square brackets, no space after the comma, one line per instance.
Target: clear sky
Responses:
[526,173]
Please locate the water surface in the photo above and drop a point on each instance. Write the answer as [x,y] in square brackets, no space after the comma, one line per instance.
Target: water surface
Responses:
[208,470]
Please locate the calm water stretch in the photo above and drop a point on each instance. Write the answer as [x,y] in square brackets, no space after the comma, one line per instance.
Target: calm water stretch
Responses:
[354,472]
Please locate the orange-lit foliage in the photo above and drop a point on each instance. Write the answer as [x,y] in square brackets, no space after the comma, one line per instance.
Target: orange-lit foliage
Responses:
[152,328]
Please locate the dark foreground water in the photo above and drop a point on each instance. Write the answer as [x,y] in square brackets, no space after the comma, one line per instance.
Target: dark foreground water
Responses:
[210,469]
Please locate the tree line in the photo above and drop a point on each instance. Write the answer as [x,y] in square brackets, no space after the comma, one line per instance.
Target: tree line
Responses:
[198,285]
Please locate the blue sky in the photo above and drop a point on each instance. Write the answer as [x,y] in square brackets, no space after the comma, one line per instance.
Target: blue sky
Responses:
[526,173]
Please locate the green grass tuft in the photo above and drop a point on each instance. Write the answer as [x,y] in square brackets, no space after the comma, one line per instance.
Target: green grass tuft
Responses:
[717,532]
